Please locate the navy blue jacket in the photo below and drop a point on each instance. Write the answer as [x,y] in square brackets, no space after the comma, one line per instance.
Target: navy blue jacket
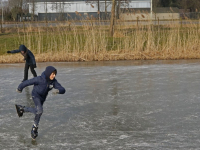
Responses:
[42,84]
[28,55]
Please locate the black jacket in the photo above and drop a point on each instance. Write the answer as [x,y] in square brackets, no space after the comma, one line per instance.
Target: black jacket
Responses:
[42,84]
[28,55]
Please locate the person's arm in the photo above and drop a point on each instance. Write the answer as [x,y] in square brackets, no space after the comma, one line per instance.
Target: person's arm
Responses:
[26,83]
[58,87]
[14,51]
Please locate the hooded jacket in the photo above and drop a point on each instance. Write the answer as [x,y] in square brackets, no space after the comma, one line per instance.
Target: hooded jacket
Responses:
[28,55]
[43,84]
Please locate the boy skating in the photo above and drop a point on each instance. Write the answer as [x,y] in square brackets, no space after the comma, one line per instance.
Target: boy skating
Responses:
[42,85]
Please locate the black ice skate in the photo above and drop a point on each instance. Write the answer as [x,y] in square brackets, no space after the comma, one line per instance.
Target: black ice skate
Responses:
[34,132]
[20,110]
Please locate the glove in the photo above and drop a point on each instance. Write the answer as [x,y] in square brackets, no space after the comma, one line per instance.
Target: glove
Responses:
[55,91]
[19,91]
[8,51]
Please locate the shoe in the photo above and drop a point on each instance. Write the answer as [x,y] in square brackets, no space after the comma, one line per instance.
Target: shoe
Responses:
[20,110]
[34,132]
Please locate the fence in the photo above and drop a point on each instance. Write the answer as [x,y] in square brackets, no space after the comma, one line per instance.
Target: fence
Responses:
[190,15]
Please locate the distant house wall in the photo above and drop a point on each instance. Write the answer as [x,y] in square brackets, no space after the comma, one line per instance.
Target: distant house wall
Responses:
[67,7]
[70,16]
[54,8]
[81,6]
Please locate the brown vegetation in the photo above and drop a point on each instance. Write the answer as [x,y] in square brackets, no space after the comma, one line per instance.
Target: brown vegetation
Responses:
[67,42]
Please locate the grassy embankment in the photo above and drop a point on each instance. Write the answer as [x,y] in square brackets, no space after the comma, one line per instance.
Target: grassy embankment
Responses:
[67,42]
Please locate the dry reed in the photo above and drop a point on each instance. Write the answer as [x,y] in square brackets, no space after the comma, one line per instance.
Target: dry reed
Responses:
[67,42]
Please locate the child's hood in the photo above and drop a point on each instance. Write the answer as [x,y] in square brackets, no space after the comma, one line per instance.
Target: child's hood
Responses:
[22,48]
[49,70]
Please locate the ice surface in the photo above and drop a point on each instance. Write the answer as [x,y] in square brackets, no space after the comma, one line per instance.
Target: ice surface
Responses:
[108,105]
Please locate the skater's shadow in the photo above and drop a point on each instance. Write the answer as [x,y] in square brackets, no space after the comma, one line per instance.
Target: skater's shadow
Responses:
[34,142]
[24,140]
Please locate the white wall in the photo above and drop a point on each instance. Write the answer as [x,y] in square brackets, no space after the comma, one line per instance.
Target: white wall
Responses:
[68,7]
[82,6]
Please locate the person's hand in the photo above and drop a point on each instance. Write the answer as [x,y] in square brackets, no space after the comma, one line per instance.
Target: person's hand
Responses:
[19,91]
[8,51]
[55,91]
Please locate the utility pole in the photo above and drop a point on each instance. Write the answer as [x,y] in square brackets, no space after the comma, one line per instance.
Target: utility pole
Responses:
[99,10]
[151,9]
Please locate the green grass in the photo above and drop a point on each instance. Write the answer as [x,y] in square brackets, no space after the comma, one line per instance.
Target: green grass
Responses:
[8,42]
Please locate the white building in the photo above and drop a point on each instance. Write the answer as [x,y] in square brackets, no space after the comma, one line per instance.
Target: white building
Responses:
[76,9]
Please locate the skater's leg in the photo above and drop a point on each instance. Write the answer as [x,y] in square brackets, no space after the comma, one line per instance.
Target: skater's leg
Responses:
[30,109]
[39,110]
[26,72]
[33,71]
[38,114]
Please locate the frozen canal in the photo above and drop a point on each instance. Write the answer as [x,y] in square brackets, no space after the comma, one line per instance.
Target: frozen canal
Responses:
[108,105]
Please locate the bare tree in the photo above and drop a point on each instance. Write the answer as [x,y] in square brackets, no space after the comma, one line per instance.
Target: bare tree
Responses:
[54,6]
[112,19]
[32,9]
[193,5]
[155,4]
[2,8]
[1,16]
[91,2]
[62,10]
[119,4]
[98,8]
[118,8]
[21,9]
[105,9]
[16,8]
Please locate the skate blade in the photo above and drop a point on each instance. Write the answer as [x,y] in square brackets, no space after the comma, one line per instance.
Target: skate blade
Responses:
[33,139]
[17,111]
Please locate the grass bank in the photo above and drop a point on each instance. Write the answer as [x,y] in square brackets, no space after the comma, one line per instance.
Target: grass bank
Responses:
[67,42]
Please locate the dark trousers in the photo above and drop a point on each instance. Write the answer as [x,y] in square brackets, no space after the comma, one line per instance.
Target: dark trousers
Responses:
[37,110]
[26,71]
